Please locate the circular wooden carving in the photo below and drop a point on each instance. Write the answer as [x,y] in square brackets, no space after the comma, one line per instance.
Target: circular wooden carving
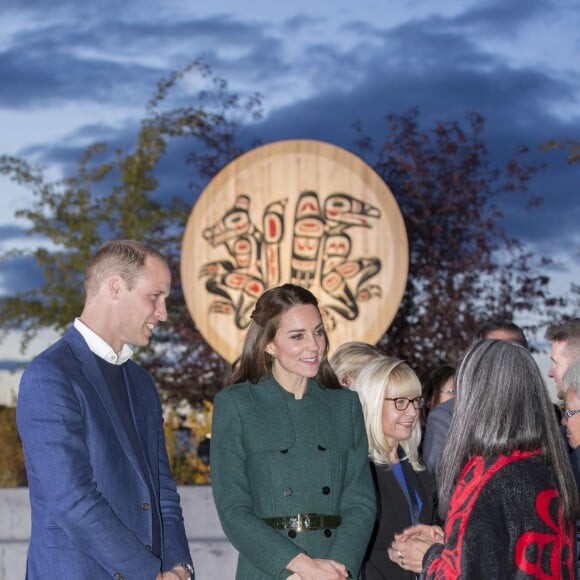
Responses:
[298,211]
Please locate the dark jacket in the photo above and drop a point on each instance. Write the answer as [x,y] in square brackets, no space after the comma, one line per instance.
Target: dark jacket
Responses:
[393,516]
[504,521]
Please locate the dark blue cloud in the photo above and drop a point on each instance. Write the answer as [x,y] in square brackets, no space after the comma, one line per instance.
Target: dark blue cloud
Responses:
[11,232]
[433,63]
[100,59]
[19,274]
[504,19]
[42,77]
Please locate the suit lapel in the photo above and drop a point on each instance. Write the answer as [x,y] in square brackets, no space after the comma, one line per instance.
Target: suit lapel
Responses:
[96,382]
[135,393]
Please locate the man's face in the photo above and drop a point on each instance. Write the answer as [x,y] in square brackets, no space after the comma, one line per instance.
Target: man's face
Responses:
[142,307]
[561,361]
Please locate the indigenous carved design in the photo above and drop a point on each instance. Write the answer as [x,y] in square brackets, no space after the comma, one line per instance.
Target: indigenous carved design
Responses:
[321,251]
[298,211]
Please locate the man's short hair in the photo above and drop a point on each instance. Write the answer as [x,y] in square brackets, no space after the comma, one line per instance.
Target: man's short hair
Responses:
[568,332]
[506,325]
[123,257]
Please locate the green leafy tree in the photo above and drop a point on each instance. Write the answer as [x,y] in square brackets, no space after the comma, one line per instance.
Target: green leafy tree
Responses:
[113,195]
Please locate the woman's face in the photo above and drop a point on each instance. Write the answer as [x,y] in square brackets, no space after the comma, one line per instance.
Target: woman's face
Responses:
[398,425]
[298,345]
[447,391]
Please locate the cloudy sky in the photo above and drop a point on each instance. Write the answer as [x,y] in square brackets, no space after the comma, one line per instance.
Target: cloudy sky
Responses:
[72,73]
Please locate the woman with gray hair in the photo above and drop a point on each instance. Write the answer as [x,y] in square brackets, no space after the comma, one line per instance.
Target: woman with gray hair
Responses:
[504,476]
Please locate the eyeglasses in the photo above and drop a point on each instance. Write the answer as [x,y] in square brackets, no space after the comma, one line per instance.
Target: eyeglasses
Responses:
[570,413]
[402,403]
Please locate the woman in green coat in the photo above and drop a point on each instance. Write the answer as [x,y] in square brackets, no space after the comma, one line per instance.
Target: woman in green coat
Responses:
[290,471]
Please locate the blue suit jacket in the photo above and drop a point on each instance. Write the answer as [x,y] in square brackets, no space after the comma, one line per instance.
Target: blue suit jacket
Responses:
[91,505]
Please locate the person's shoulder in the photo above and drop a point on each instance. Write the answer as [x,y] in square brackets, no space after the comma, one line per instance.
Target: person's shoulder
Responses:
[444,409]
[236,388]
[321,390]
[57,362]
[58,353]
[341,399]
[235,391]
[248,398]
[527,464]
[518,474]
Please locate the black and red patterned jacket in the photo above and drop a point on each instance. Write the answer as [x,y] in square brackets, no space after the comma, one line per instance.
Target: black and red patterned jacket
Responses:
[504,521]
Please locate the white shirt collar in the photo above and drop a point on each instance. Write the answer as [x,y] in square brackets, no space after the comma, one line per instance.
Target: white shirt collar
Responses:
[99,347]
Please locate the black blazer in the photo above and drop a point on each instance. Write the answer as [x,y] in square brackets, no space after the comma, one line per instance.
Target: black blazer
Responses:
[393,517]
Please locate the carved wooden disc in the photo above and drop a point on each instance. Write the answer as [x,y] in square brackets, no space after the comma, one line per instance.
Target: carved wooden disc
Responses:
[298,211]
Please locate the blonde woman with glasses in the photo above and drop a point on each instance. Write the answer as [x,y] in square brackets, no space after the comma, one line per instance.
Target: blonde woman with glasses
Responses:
[390,394]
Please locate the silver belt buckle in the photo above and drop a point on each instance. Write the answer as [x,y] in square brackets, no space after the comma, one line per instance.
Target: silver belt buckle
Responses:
[303,522]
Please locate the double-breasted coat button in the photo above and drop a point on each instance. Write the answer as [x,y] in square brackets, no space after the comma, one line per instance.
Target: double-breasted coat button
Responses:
[118,576]
[326,490]
[292,534]
[327,533]
[287,491]
[148,547]
[145,506]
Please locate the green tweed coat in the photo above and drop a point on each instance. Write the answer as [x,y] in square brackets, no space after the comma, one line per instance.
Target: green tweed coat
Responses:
[273,455]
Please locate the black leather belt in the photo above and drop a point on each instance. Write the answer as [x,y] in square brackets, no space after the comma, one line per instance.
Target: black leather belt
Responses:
[304,522]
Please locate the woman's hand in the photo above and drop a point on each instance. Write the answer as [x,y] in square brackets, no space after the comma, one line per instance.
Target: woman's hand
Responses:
[409,547]
[422,531]
[307,568]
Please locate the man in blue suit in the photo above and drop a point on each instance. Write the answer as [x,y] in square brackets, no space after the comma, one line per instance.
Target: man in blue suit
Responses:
[104,503]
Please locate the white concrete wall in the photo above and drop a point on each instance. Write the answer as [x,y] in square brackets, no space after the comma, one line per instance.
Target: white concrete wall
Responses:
[9,387]
[213,556]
